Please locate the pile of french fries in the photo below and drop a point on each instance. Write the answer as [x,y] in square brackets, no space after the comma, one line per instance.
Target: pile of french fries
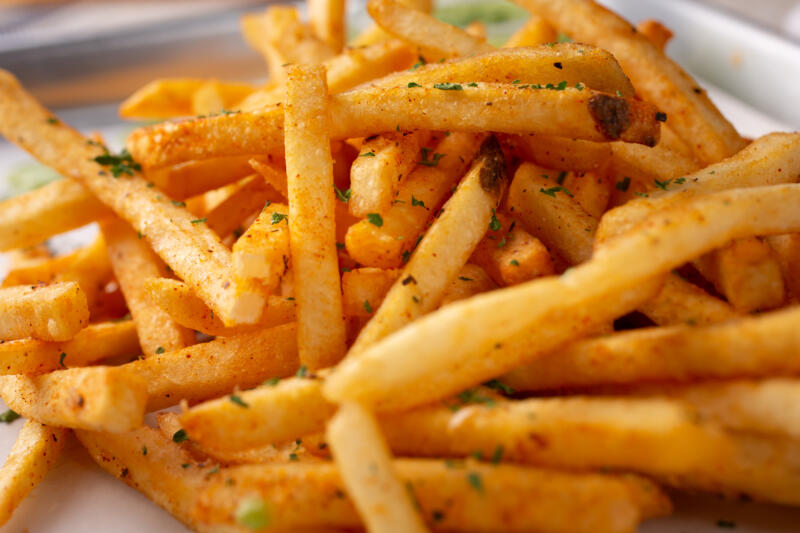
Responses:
[550,278]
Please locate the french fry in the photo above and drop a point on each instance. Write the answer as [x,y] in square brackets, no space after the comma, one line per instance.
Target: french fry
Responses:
[214,368]
[192,178]
[91,344]
[99,398]
[511,255]
[471,280]
[48,312]
[561,153]
[590,189]
[375,179]
[215,96]
[388,244]
[364,289]
[534,32]
[444,249]
[60,206]
[689,111]
[191,250]
[35,451]
[274,177]
[375,34]
[188,310]
[312,232]
[423,30]
[680,302]
[571,112]
[753,346]
[367,472]
[787,249]
[248,199]
[262,252]
[697,227]
[178,97]
[133,263]
[476,28]
[327,19]
[548,209]
[658,34]
[646,165]
[512,498]
[89,267]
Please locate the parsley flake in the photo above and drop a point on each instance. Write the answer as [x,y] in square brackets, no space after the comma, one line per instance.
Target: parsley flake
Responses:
[302,372]
[252,513]
[497,456]
[662,184]
[367,154]
[367,307]
[553,190]
[623,184]
[160,350]
[144,450]
[472,84]
[448,86]
[198,221]
[496,384]
[180,436]
[475,481]
[119,164]
[494,223]
[425,152]
[414,202]
[8,416]
[464,278]
[412,85]
[272,381]
[375,219]
[343,196]
[238,401]
[277,218]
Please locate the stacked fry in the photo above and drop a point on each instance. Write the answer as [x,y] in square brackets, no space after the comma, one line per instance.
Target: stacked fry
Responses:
[549,278]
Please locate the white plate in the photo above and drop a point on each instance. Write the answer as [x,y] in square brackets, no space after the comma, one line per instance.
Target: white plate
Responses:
[77,496]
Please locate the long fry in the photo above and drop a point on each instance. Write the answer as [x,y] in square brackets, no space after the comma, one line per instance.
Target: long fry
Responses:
[50,312]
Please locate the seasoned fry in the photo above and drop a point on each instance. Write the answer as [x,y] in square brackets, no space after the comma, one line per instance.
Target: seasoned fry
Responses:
[192,178]
[654,75]
[367,472]
[193,252]
[364,289]
[390,243]
[188,310]
[658,34]
[327,19]
[680,302]
[444,249]
[590,189]
[787,248]
[274,177]
[755,346]
[60,206]
[562,154]
[248,199]
[534,32]
[471,280]
[375,179]
[91,344]
[214,96]
[133,263]
[35,451]
[423,30]
[262,253]
[48,312]
[178,97]
[312,231]
[98,398]
[699,226]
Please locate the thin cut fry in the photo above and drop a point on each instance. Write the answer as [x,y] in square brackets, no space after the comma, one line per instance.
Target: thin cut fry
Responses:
[787,248]
[50,312]
[175,97]
[91,344]
[98,398]
[680,302]
[188,310]
[367,472]
[471,280]
[35,451]
[327,19]
[215,96]
[192,251]
[133,263]
[312,231]
[534,32]
[248,199]
[262,252]
[561,153]
[274,177]
[192,178]
[60,206]
[658,34]
[363,290]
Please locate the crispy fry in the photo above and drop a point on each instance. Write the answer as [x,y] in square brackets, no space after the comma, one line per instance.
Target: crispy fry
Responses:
[590,189]
[49,312]
[35,451]
[387,245]
[262,253]
[423,30]
[248,199]
[133,263]
[192,178]
[599,285]
[178,97]
[655,76]
[561,153]
[215,96]
[368,474]
[658,34]
[188,310]
[787,249]
[471,280]
[312,231]
[680,302]
[91,344]
[192,251]
[755,346]
[99,398]
[364,289]
[327,19]
[534,32]
[375,179]
[444,249]
[60,206]
[274,177]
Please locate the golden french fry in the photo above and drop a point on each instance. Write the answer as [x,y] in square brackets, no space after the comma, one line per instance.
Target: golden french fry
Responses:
[35,451]
[534,32]
[363,290]
[689,111]
[511,255]
[601,286]
[444,249]
[98,398]
[274,177]
[375,179]
[161,98]
[192,178]
[590,189]
[561,153]
[48,312]
[312,230]
[191,250]
[60,206]
[658,34]
[680,302]
[262,252]
[754,346]
[367,472]
[787,248]
[188,310]
[390,240]
[214,368]
[215,96]
[327,19]
[248,199]
[424,30]
[89,345]
[471,280]
[648,166]
[134,263]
